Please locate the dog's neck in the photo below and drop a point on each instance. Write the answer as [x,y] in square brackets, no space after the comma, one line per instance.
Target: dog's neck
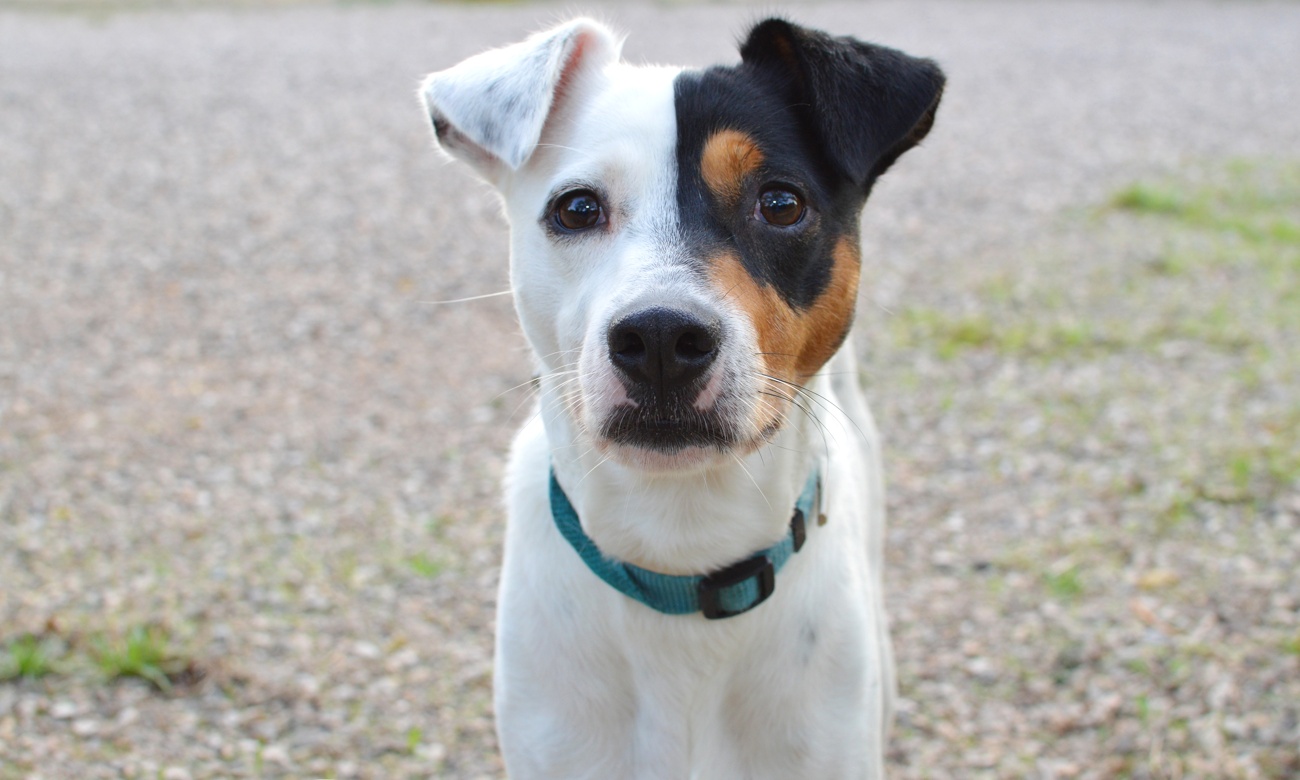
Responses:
[685,523]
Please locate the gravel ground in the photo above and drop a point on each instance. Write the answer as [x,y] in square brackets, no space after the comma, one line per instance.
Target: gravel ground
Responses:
[235,428]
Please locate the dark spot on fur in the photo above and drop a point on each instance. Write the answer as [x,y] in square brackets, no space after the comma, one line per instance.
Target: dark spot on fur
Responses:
[807,643]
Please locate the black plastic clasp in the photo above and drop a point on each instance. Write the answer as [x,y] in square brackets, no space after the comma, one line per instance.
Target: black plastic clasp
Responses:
[759,568]
[798,529]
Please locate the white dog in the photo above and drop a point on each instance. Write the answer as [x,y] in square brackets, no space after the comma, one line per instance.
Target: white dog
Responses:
[692,576]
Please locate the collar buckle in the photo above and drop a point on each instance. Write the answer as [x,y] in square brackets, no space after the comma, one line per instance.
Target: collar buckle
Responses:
[748,582]
[798,529]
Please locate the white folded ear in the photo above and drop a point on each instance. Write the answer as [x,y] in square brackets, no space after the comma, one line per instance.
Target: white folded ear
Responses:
[491,109]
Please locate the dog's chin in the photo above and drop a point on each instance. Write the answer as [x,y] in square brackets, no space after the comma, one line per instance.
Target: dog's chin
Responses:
[655,461]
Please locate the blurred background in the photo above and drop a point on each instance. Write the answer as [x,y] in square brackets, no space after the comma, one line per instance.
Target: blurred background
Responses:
[249,517]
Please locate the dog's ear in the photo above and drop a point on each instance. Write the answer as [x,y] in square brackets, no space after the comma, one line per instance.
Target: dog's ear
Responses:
[490,110]
[867,104]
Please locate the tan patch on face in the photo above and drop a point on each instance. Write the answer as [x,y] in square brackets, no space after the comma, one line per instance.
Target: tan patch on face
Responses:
[827,322]
[729,156]
[792,345]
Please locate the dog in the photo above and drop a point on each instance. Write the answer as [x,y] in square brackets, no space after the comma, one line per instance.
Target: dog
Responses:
[691,584]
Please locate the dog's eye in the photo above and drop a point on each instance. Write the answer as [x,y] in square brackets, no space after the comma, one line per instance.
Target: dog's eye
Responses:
[778,206]
[578,210]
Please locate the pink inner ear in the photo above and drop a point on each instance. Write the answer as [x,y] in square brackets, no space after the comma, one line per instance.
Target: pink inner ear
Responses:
[576,53]
[581,47]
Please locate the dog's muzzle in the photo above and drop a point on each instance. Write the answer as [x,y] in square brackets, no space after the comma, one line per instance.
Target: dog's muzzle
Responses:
[662,357]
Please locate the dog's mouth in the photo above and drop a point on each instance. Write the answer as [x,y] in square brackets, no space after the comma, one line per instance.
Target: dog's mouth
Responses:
[655,430]
[655,440]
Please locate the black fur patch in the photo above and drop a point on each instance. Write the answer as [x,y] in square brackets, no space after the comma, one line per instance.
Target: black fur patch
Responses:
[829,115]
[653,428]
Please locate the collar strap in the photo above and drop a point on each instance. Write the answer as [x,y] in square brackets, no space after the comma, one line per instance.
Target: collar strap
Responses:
[731,591]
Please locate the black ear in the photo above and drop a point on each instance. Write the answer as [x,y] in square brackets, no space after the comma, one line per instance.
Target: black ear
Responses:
[867,103]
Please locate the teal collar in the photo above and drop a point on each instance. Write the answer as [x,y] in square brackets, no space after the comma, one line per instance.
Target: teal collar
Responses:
[731,591]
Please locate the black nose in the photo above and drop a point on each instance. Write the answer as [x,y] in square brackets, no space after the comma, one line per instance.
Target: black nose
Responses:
[662,348]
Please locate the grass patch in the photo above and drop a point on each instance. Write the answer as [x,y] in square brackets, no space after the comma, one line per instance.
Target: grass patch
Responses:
[425,566]
[29,657]
[951,335]
[1229,279]
[144,652]
[1065,584]
[1249,468]
[1256,202]
[1232,241]
[1150,199]
[1268,469]
[1143,708]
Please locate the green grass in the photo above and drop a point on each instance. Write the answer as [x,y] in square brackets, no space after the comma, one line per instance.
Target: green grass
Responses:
[1143,706]
[948,335]
[28,657]
[423,565]
[144,652]
[1176,512]
[1065,585]
[1228,278]
[1150,199]
[1244,467]
[1257,202]
[1270,468]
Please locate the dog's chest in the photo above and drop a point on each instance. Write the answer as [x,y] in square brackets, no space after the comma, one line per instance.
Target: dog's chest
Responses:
[778,692]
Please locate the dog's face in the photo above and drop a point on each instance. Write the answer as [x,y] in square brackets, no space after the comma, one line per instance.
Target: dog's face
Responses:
[684,243]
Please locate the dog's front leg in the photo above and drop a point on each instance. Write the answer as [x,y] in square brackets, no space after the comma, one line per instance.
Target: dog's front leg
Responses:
[566,698]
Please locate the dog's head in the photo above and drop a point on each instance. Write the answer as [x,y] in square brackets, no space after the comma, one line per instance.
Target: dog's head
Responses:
[684,243]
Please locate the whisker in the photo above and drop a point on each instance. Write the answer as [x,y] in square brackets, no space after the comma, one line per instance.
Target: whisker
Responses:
[798,403]
[822,400]
[531,396]
[534,380]
[757,487]
[467,300]
[599,463]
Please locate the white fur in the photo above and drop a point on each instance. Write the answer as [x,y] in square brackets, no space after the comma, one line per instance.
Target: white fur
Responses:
[590,684]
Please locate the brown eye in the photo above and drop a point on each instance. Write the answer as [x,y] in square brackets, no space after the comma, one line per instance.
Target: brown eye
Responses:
[578,210]
[779,207]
